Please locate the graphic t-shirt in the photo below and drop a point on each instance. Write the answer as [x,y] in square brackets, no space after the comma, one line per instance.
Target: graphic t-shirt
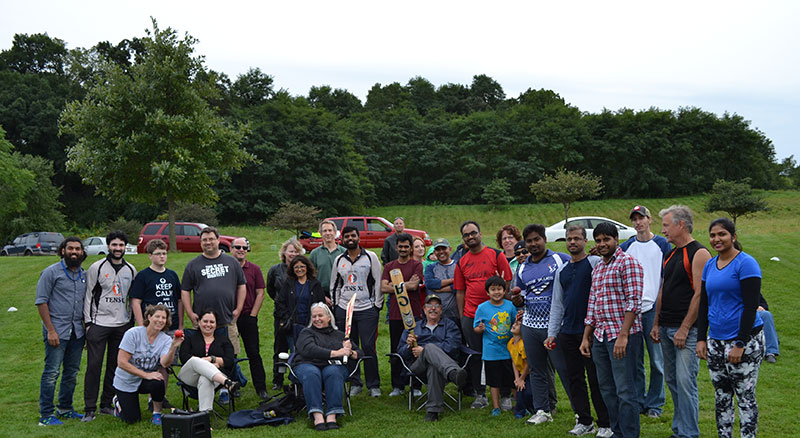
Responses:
[536,281]
[214,282]
[725,304]
[497,320]
[144,356]
[158,288]
[472,271]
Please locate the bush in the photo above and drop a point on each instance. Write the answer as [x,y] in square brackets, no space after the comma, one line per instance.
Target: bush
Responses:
[498,193]
[130,227]
[295,216]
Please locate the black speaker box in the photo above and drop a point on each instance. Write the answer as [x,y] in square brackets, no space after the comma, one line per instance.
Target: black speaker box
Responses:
[193,425]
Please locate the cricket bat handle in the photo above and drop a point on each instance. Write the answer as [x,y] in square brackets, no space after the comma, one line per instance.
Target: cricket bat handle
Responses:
[344,359]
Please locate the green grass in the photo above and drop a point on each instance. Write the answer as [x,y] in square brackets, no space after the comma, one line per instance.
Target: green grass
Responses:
[764,235]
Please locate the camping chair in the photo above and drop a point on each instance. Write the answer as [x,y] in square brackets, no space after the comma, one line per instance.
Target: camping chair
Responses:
[422,400]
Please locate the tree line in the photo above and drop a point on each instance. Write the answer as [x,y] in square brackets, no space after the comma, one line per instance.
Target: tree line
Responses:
[411,143]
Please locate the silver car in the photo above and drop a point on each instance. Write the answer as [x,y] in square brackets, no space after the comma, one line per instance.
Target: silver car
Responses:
[97,246]
[558,230]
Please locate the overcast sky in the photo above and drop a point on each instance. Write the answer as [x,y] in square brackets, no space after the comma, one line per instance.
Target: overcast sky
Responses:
[736,56]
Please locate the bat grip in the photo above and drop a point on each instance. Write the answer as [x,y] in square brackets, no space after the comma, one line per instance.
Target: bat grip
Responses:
[344,359]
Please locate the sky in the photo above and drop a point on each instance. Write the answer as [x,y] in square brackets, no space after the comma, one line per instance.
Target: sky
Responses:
[722,56]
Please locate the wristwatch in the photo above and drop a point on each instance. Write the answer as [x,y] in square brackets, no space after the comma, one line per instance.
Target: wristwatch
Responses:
[739,343]
[213,359]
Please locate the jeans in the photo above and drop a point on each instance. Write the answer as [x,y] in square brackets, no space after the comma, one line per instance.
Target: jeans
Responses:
[524,399]
[616,379]
[680,370]
[652,399]
[314,379]
[68,353]
[248,331]
[541,362]
[770,334]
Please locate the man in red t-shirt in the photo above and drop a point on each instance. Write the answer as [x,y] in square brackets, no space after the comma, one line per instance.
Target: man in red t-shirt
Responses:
[472,271]
[412,276]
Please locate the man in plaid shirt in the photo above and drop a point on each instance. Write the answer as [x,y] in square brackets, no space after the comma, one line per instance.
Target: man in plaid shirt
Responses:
[612,316]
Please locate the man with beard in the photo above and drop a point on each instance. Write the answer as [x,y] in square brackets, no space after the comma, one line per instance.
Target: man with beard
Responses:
[472,270]
[358,271]
[107,314]
[59,299]
[613,333]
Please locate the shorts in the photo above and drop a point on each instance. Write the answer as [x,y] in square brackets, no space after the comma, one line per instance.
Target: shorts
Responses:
[499,373]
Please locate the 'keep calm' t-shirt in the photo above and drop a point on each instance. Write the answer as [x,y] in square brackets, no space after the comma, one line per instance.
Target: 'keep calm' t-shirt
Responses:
[158,288]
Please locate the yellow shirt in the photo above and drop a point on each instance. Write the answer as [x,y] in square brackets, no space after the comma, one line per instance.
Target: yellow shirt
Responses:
[517,351]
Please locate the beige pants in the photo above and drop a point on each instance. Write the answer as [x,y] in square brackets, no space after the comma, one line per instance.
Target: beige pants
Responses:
[200,373]
[233,335]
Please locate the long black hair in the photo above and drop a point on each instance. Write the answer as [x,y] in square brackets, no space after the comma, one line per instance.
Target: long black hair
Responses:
[730,227]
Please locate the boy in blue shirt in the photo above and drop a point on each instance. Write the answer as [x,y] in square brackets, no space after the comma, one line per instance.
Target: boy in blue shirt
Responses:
[493,319]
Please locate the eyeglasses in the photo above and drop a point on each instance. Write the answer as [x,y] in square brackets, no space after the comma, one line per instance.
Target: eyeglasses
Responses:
[239,247]
[159,254]
[521,252]
[433,306]
[470,234]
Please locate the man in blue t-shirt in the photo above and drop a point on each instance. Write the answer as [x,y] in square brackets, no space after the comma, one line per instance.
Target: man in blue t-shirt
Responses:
[157,285]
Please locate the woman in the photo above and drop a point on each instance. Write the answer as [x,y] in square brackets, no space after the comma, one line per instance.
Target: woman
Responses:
[142,351]
[207,360]
[276,276]
[507,237]
[320,348]
[418,254]
[731,287]
[300,290]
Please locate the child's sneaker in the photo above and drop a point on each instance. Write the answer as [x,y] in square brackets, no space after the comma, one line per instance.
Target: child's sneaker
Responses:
[224,396]
[506,404]
[495,412]
[156,418]
[50,421]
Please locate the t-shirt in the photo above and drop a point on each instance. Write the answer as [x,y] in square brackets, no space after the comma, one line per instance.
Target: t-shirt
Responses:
[517,352]
[158,288]
[571,296]
[214,282]
[255,280]
[323,260]
[472,271]
[434,274]
[497,320]
[677,291]
[536,281]
[408,269]
[650,254]
[725,305]
[144,356]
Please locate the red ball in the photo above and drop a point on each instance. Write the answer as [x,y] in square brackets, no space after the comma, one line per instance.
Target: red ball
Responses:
[178,333]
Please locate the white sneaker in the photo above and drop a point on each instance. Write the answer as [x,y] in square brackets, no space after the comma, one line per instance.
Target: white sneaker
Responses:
[480,402]
[506,404]
[582,429]
[396,392]
[417,393]
[605,432]
[375,392]
[355,390]
[540,417]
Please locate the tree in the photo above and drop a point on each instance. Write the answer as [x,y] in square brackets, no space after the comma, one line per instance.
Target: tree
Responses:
[498,193]
[735,198]
[566,187]
[339,101]
[253,87]
[150,134]
[17,183]
[295,216]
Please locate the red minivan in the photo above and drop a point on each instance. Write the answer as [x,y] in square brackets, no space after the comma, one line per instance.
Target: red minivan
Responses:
[187,236]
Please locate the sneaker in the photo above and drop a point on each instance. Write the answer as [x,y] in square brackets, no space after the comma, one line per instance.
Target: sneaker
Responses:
[263,395]
[582,429]
[416,393]
[480,402]
[519,416]
[156,418]
[117,407]
[69,415]
[771,358]
[540,417]
[224,396]
[396,392]
[355,390]
[375,392]
[108,410]
[506,404]
[431,416]
[88,416]
[652,413]
[50,421]
[605,432]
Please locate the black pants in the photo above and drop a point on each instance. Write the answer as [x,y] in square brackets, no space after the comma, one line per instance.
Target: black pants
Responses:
[280,344]
[101,341]
[129,401]
[248,331]
[579,368]
[475,342]
[363,333]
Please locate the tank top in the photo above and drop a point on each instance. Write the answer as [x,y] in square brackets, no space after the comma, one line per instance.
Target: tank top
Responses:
[678,288]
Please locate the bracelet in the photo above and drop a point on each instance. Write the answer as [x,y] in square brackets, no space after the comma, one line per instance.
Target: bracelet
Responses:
[213,359]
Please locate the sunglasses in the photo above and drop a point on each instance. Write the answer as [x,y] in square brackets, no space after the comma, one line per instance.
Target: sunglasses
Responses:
[521,252]
[239,247]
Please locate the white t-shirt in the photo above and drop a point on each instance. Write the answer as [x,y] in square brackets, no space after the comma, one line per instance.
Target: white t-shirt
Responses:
[144,355]
[650,254]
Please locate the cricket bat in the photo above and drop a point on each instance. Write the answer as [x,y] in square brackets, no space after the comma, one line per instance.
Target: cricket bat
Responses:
[348,320]
[403,302]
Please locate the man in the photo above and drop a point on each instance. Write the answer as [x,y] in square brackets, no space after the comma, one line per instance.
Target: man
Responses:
[412,277]
[534,291]
[431,349]
[157,284]
[439,279]
[218,282]
[567,312]
[59,299]
[357,272]
[613,333]
[676,314]
[389,252]
[472,270]
[649,250]
[107,314]
[247,323]
[771,341]
[324,256]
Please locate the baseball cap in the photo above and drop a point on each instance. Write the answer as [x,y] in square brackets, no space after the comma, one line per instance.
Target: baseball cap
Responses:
[519,245]
[440,242]
[432,297]
[640,209]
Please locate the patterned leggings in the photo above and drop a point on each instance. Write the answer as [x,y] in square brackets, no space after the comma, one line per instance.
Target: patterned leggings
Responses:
[739,379]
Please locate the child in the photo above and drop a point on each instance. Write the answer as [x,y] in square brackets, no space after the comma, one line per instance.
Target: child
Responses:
[521,371]
[493,319]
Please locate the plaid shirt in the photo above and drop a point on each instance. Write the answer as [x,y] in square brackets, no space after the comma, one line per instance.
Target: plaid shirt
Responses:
[617,287]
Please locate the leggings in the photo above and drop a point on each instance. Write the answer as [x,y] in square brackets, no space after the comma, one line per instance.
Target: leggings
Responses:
[129,401]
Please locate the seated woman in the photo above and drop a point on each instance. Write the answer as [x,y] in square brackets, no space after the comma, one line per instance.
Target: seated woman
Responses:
[320,348]
[143,350]
[207,360]
[299,291]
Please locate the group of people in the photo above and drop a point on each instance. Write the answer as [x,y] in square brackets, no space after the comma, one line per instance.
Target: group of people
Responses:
[524,312]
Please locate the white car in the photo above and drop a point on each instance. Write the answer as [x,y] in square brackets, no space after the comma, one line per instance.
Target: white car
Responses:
[558,230]
[97,246]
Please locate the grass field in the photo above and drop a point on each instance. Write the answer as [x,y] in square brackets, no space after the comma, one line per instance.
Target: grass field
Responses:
[765,235]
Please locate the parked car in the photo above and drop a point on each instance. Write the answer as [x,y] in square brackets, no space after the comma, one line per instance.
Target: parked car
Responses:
[373,230]
[36,243]
[558,230]
[97,246]
[187,236]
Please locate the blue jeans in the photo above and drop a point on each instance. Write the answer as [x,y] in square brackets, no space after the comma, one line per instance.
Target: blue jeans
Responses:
[652,399]
[68,353]
[314,379]
[680,371]
[616,380]
[770,334]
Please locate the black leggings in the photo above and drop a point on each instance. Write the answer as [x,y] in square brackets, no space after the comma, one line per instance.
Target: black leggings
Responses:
[129,401]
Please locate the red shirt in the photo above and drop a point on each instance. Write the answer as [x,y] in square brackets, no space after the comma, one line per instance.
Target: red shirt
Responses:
[408,269]
[472,271]
[255,280]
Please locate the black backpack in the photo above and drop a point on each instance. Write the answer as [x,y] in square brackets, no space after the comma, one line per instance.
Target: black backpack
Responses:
[285,406]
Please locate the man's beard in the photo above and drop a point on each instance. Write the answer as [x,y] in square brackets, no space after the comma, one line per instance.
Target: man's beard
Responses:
[73,262]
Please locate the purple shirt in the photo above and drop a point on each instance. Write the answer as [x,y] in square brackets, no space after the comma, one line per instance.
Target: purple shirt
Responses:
[255,280]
